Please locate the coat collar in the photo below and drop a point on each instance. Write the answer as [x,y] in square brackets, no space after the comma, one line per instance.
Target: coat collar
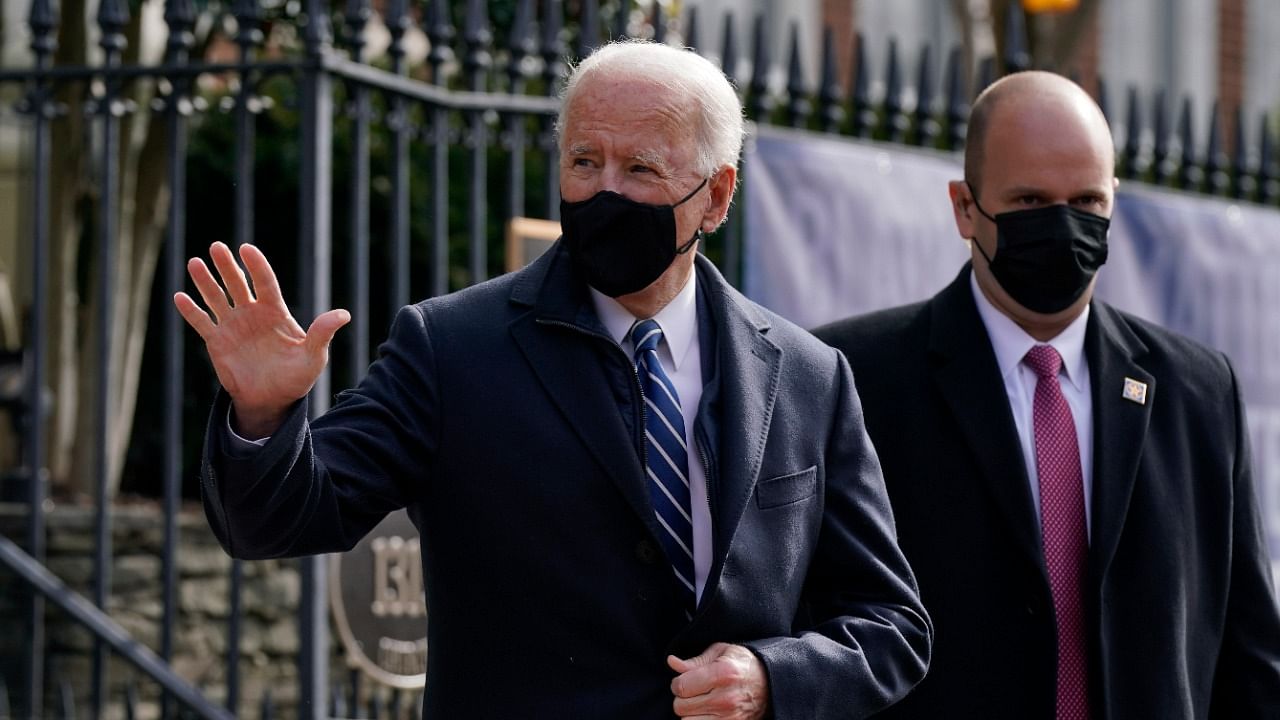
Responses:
[1120,425]
[968,377]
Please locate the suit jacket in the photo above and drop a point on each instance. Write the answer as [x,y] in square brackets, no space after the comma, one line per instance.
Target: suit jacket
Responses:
[1179,597]
[510,425]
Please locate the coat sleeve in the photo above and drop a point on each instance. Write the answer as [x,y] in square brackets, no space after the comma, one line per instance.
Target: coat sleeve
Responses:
[1247,680]
[868,637]
[320,486]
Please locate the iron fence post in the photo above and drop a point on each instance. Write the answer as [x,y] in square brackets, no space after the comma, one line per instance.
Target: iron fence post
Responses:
[43,21]
[315,247]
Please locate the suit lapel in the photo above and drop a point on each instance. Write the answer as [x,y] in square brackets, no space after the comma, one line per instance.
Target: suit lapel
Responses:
[563,342]
[967,375]
[749,366]
[1119,427]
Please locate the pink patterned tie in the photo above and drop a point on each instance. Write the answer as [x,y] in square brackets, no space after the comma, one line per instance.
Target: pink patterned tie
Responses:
[1063,526]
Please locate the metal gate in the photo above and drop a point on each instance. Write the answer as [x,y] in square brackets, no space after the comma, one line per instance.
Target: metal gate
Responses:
[476,108]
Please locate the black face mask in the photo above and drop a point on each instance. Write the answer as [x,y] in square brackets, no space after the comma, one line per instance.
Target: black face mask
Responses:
[621,246]
[1046,256]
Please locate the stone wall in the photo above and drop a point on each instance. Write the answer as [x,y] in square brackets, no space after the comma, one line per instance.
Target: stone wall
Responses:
[269,636]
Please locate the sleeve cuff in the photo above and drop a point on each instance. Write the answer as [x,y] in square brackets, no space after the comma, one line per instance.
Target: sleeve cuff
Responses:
[239,445]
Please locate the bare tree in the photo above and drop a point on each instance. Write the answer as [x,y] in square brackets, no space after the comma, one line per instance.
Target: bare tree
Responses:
[74,327]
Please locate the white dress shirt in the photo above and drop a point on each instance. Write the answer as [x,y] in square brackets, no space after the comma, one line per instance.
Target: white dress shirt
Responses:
[681,357]
[1011,344]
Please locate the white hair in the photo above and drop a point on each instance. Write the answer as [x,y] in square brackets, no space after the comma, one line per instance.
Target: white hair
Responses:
[718,123]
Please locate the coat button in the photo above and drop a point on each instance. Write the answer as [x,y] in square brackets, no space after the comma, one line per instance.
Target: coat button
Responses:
[646,552]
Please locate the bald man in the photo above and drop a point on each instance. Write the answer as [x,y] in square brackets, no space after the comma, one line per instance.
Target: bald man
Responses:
[1071,484]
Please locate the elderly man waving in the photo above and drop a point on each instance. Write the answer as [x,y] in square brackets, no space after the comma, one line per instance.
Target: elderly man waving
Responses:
[639,494]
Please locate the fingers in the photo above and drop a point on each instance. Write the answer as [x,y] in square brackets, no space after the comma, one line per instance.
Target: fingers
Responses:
[697,676]
[232,275]
[723,681]
[323,328]
[697,680]
[210,290]
[264,278]
[198,319]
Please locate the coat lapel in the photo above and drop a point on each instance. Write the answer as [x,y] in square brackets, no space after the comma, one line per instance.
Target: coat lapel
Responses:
[563,342]
[748,366]
[968,376]
[1119,426]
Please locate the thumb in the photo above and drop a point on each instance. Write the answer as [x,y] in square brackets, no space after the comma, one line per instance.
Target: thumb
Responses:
[707,657]
[323,328]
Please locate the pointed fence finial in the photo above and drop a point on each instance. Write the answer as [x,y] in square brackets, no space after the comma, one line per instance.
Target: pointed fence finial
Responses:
[622,20]
[729,51]
[1243,186]
[659,23]
[1190,175]
[691,28]
[896,121]
[356,18]
[43,21]
[1162,162]
[398,23]
[760,103]
[863,120]
[520,45]
[441,33]
[317,34]
[1268,164]
[180,16]
[113,15]
[1016,56]
[830,94]
[986,74]
[1131,156]
[798,107]
[588,29]
[927,128]
[1215,161]
[553,67]
[477,40]
[957,100]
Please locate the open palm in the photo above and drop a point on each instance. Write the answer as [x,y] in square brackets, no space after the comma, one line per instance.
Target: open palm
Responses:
[263,357]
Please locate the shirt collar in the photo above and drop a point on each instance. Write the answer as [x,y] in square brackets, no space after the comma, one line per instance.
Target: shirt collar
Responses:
[1011,342]
[678,320]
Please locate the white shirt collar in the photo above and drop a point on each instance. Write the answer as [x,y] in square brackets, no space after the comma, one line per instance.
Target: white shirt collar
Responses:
[678,320]
[1011,343]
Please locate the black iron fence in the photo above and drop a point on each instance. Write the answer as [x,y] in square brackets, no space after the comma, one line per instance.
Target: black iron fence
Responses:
[481,103]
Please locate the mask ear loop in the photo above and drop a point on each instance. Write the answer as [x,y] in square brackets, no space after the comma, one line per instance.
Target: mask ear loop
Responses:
[693,192]
[697,234]
[973,195]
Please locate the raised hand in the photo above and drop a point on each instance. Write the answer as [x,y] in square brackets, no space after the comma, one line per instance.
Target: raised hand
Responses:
[262,356]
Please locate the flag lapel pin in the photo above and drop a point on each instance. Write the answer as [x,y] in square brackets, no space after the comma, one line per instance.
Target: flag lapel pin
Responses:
[1135,391]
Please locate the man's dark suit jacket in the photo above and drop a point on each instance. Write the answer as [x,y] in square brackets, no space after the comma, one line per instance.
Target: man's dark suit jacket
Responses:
[1183,621]
[509,424]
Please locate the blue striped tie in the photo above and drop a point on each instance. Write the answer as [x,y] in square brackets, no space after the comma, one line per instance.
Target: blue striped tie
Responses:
[666,456]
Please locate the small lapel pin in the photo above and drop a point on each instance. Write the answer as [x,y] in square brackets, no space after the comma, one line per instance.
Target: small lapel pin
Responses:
[1135,391]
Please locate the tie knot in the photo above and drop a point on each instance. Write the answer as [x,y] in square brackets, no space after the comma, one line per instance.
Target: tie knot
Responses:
[1044,360]
[645,335]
